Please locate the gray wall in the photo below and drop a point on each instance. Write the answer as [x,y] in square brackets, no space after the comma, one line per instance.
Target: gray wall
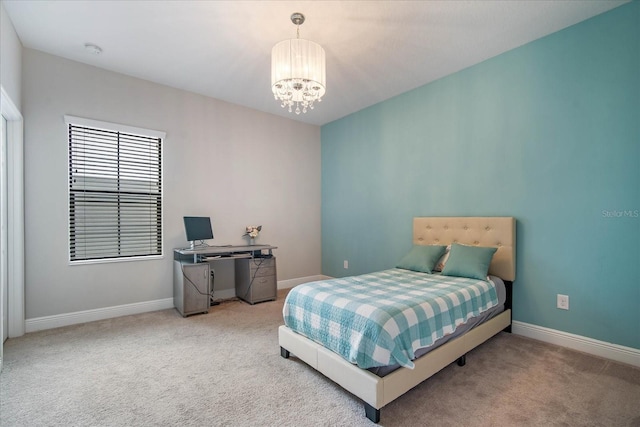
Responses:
[10,58]
[237,165]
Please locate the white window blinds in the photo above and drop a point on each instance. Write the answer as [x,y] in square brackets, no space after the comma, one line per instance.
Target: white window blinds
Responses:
[115,192]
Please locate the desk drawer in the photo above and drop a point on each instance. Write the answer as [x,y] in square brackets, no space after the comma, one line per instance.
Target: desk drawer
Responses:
[262,262]
[259,266]
[256,279]
[263,271]
[263,288]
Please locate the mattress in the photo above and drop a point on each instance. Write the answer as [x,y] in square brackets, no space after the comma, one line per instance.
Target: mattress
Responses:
[381,371]
[385,318]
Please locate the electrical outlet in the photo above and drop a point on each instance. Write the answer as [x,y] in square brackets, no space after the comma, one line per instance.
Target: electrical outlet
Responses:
[563,302]
[346,264]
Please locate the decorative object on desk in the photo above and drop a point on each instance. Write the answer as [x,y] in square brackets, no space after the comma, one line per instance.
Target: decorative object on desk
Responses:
[252,232]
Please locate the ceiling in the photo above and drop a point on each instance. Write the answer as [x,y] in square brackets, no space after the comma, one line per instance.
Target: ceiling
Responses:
[374,49]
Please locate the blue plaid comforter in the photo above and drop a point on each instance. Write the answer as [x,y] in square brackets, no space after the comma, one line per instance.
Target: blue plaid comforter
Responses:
[382,318]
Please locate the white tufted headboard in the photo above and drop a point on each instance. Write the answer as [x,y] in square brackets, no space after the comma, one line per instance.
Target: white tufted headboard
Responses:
[497,232]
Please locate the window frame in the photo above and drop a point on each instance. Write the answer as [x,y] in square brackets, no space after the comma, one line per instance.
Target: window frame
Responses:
[114,127]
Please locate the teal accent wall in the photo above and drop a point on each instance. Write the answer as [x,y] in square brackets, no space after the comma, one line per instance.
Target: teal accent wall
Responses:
[548,133]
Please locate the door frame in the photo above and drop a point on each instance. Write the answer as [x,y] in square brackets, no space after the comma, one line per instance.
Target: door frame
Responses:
[15,215]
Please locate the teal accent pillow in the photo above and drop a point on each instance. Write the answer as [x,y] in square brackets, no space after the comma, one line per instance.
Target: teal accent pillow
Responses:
[469,261]
[422,258]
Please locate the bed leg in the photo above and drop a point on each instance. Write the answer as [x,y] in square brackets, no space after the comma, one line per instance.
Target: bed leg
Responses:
[372,413]
[509,302]
[462,360]
[284,353]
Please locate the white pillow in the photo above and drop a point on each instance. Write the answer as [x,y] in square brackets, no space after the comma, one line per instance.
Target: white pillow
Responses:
[443,260]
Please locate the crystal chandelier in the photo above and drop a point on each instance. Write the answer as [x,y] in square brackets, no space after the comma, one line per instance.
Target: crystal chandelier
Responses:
[298,71]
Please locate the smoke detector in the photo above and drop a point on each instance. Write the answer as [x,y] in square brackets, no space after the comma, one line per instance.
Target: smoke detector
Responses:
[93,49]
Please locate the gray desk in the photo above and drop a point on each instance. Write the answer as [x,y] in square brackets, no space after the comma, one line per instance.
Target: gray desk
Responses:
[248,272]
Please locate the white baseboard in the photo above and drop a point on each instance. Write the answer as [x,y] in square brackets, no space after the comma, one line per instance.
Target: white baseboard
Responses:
[66,319]
[604,349]
[286,284]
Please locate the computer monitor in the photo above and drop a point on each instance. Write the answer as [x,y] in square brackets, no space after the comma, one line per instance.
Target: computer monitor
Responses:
[197,228]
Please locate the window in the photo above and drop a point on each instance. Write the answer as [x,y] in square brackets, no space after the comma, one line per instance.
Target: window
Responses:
[115,191]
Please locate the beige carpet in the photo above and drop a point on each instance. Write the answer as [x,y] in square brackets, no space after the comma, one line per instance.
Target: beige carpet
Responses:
[224,369]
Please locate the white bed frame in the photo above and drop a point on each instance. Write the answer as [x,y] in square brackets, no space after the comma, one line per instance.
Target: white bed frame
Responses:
[376,391]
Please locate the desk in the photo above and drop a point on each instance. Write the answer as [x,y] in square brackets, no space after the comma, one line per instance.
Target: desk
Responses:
[248,272]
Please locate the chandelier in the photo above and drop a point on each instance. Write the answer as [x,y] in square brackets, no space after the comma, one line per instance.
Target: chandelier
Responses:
[298,71]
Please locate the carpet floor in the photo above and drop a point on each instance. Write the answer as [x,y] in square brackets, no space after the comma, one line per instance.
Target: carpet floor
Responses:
[224,369]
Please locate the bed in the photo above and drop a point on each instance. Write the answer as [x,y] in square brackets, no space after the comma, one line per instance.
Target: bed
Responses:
[377,389]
